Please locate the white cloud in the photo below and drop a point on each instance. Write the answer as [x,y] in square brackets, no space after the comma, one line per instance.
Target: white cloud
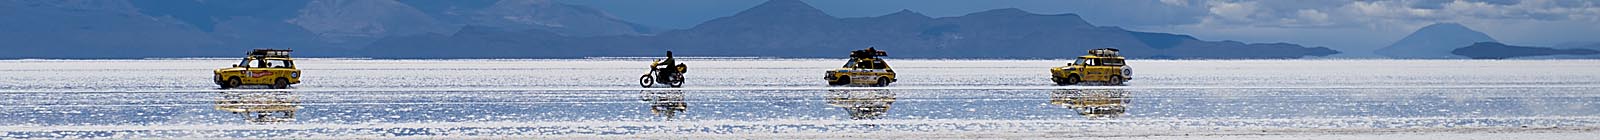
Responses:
[1176,2]
[1233,11]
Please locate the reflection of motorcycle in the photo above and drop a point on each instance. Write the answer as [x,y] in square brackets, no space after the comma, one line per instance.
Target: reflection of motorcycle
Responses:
[665,103]
[274,106]
[1092,103]
[656,76]
[862,104]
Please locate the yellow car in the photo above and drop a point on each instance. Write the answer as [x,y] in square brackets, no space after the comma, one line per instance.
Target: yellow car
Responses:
[1101,65]
[260,67]
[864,67]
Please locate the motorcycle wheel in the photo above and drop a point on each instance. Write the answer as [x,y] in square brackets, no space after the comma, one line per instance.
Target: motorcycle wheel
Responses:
[646,80]
[677,80]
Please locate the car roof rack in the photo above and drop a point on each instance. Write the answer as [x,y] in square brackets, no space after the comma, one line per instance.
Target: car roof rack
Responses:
[270,52]
[870,52]
[1105,52]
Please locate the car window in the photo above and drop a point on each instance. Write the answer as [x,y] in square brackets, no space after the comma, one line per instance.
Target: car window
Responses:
[280,63]
[244,63]
[1077,62]
[879,64]
[258,63]
[850,64]
[1091,62]
[1112,62]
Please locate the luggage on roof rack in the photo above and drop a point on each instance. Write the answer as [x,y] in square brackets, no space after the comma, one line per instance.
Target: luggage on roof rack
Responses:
[868,53]
[1107,52]
[270,52]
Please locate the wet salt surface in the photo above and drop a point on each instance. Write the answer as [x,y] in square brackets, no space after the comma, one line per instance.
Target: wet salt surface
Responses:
[785,98]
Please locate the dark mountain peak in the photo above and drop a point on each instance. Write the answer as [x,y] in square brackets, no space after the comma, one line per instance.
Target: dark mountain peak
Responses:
[1024,17]
[906,13]
[1448,28]
[784,8]
[1434,41]
[775,14]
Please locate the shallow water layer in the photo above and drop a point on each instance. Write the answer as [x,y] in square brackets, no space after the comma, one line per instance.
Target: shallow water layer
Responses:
[344,98]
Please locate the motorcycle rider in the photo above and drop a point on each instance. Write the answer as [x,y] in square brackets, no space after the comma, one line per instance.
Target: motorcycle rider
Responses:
[671,66]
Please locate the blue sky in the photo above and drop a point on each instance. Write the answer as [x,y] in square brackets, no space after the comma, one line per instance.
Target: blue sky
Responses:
[1356,27]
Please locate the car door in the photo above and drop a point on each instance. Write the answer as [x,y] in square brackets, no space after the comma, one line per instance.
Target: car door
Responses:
[1091,70]
[259,72]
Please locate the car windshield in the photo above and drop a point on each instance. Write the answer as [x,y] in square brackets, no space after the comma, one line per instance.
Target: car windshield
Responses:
[244,63]
[1077,62]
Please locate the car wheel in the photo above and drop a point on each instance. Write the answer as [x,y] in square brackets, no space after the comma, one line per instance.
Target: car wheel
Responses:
[1116,80]
[1072,80]
[882,82]
[842,80]
[646,81]
[677,80]
[232,83]
[280,83]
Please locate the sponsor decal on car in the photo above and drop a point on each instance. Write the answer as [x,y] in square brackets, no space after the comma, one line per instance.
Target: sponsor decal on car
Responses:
[260,74]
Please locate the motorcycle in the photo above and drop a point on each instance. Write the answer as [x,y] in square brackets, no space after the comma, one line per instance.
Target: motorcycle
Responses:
[656,76]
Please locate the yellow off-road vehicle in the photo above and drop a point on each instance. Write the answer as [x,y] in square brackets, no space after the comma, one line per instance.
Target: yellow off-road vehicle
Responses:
[260,67]
[864,67]
[1101,65]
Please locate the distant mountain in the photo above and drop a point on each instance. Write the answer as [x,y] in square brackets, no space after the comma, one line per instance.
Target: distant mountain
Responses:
[1434,42]
[361,21]
[93,29]
[1586,45]
[1493,50]
[791,28]
[318,28]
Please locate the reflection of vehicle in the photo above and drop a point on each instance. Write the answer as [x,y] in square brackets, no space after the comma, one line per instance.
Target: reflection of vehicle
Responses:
[1092,103]
[864,67]
[665,103]
[656,76]
[1101,65]
[272,106]
[862,104]
[260,67]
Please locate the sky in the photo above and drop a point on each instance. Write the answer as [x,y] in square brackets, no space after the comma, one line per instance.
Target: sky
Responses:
[1355,27]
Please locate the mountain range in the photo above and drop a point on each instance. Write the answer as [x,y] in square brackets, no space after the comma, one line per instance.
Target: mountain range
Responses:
[547,29]
[792,28]
[1493,50]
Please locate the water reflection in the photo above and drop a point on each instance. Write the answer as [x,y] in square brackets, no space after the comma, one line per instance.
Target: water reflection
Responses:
[665,103]
[1092,103]
[862,104]
[260,106]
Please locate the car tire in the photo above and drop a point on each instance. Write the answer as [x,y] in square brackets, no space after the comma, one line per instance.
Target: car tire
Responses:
[232,83]
[842,80]
[646,81]
[1116,80]
[882,82]
[280,83]
[1071,80]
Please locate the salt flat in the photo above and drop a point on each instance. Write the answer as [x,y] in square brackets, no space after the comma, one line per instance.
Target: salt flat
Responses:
[785,98]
